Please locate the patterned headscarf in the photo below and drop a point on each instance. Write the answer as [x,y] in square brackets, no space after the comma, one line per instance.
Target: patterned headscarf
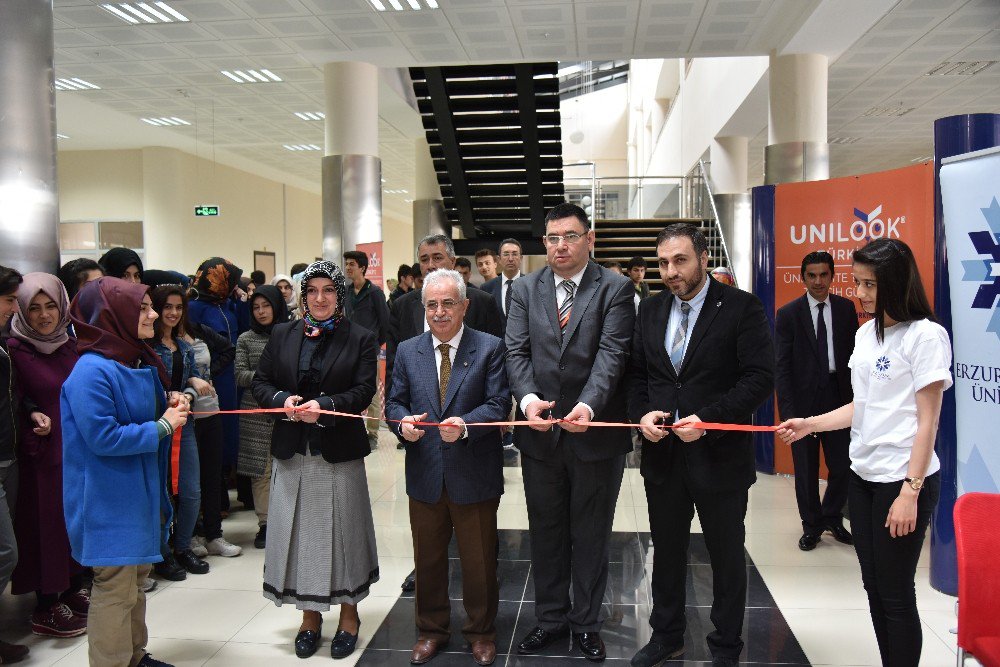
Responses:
[216,279]
[323,269]
[33,285]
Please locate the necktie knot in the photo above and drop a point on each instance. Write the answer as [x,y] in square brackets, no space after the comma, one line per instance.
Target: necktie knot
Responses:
[569,286]
[820,305]
[444,347]
[685,307]
[567,303]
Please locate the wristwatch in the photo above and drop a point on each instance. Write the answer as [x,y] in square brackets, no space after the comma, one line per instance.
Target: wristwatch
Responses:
[916,483]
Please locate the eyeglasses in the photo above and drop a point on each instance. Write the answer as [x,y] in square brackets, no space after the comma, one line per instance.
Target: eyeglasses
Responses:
[510,255]
[447,304]
[570,239]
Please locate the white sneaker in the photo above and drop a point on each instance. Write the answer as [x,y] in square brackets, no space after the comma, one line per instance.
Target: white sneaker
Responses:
[219,547]
[198,546]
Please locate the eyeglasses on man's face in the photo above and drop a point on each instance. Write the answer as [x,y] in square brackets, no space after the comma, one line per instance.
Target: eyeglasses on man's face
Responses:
[447,304]
[570,238]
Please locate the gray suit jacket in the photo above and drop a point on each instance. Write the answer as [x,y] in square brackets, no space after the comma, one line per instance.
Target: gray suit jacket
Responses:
[586,363]
[471,468]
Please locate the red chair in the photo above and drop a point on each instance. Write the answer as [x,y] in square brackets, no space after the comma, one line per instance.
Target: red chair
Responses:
[977,538]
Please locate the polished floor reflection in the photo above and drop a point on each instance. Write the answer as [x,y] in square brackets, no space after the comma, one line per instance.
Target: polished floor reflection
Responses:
[803,608]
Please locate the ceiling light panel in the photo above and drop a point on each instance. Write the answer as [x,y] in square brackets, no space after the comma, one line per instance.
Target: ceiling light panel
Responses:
[302,147]
[74,84]
[402,5]
[166,121]
[310,115]
[252,75]
[144,13]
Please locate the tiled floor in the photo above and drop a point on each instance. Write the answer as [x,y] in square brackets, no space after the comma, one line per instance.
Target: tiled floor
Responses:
[803,608]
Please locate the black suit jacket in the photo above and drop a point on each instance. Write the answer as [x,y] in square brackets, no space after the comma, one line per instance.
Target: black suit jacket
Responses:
[727,372]
[407,318]
[798,368]
[584,364]
[348,385]
[492,285]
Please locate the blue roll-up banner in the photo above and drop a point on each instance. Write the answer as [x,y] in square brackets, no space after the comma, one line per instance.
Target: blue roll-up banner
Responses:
[763,287]
[970,195]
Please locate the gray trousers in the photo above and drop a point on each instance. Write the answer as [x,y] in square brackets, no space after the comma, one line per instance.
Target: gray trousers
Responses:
[8,543]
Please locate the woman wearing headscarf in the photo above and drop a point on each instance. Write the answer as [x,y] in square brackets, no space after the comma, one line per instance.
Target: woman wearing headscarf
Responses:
[43,354]
[321,539]
[122,263]
[117,421]
[267,308]
[286,285]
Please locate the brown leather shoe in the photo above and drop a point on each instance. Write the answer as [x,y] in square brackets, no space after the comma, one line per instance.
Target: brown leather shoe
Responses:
[424,650]
[10,653]
[485,652]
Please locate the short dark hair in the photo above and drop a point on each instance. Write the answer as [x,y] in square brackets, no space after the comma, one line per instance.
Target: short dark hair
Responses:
[463,262]
[159,296]
[74,272]
[698,239]
[613,266]
[403,272]
[10,279]
[257,277]
[817,257]
[511,241]
[637,261]
[566,210]
[359,257]
[484,252]
[416,272]
[297,268]
[899,292]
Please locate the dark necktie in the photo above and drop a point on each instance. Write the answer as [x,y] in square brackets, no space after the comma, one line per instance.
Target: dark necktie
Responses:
[567,304]
[822,345]
[445,370]
[506,296]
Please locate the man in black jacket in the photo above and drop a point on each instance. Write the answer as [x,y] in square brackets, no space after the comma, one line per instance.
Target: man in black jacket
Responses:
[814,340]
[366,307]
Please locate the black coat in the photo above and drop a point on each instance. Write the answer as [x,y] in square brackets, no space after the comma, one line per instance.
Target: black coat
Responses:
[798,368]
[727,372]
[347,385]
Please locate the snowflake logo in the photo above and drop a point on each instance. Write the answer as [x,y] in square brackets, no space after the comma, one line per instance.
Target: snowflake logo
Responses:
[986,269]
[882,364]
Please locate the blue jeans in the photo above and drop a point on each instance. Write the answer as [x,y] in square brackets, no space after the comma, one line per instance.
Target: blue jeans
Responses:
[188,489]
[8,544]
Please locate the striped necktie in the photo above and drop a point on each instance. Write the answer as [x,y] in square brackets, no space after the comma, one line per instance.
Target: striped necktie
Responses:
[567,304]
[677,345]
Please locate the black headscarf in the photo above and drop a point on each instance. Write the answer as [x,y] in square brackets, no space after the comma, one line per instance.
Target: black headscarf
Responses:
[116,260]
[278,306]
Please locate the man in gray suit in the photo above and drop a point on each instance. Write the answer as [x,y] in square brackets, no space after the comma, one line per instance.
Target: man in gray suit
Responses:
[568,334]
[452,375]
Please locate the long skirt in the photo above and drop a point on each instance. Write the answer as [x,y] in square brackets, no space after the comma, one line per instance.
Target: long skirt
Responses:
[320,535]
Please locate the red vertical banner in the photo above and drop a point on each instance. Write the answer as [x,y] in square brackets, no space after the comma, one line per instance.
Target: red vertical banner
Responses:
[839,216]
[374,274]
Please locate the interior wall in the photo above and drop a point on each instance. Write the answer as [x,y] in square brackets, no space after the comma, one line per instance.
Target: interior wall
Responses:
[594,129]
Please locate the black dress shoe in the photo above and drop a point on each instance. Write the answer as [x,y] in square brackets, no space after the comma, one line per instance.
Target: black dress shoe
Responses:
[537,640]
[260,541]
[343,643]
[591,645]
[410,583]
[654,653]
[841,534]
[191,563]
[808,541]
[307,642]
[723,661]
[169,568]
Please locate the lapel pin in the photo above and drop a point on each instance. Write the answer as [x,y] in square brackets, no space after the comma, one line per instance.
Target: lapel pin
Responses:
[718,304]
[466,363]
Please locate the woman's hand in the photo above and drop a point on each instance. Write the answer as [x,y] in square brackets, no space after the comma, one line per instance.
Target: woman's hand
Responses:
[309,411]
[794,429]
[291,403]
[902,519]
[177,415]
[43,425]
[203,387]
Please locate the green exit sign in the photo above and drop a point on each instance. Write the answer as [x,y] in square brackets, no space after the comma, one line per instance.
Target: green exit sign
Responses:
[201,211]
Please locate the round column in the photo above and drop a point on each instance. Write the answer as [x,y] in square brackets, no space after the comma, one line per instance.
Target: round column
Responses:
[797,147]
[732,201]
[428,206]
[29,206]
[352,170]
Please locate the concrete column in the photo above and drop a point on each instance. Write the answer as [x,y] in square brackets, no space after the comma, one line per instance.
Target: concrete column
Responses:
[352,170]
[797,147]
[729,165]
[29,206]
[729,187]
[428,206]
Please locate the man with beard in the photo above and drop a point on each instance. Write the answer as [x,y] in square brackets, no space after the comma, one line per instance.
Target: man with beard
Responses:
[701,352]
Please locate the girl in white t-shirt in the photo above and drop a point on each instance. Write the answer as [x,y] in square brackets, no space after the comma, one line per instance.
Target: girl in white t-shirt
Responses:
[900,368]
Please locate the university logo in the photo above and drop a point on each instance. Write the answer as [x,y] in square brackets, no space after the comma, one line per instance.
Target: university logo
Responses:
[986,268]
[882,364]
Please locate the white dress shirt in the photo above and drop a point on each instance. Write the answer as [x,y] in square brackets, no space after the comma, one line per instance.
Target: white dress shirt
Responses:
[696,302]
[828,320]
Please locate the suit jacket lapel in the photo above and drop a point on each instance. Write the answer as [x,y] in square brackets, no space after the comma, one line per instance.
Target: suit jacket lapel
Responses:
[709,309]
[293,350]
[661,319]
[805,320]
[459,369]
[584,293]
[547,297]
[427,365]
[418,315]
[336,347]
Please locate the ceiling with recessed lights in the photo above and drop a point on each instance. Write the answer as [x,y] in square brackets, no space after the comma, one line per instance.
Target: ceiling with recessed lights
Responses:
[246,74]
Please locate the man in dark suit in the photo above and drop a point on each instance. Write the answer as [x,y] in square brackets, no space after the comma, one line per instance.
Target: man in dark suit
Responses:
[452,375]
[568,332]
[814,339]
[701,352]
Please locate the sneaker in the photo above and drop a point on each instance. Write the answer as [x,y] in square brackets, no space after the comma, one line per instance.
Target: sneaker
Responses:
[149,661]
[149,585]
[11,653]
[58,621]
[220,547]
[78,601]
[260,541]
[198,547]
